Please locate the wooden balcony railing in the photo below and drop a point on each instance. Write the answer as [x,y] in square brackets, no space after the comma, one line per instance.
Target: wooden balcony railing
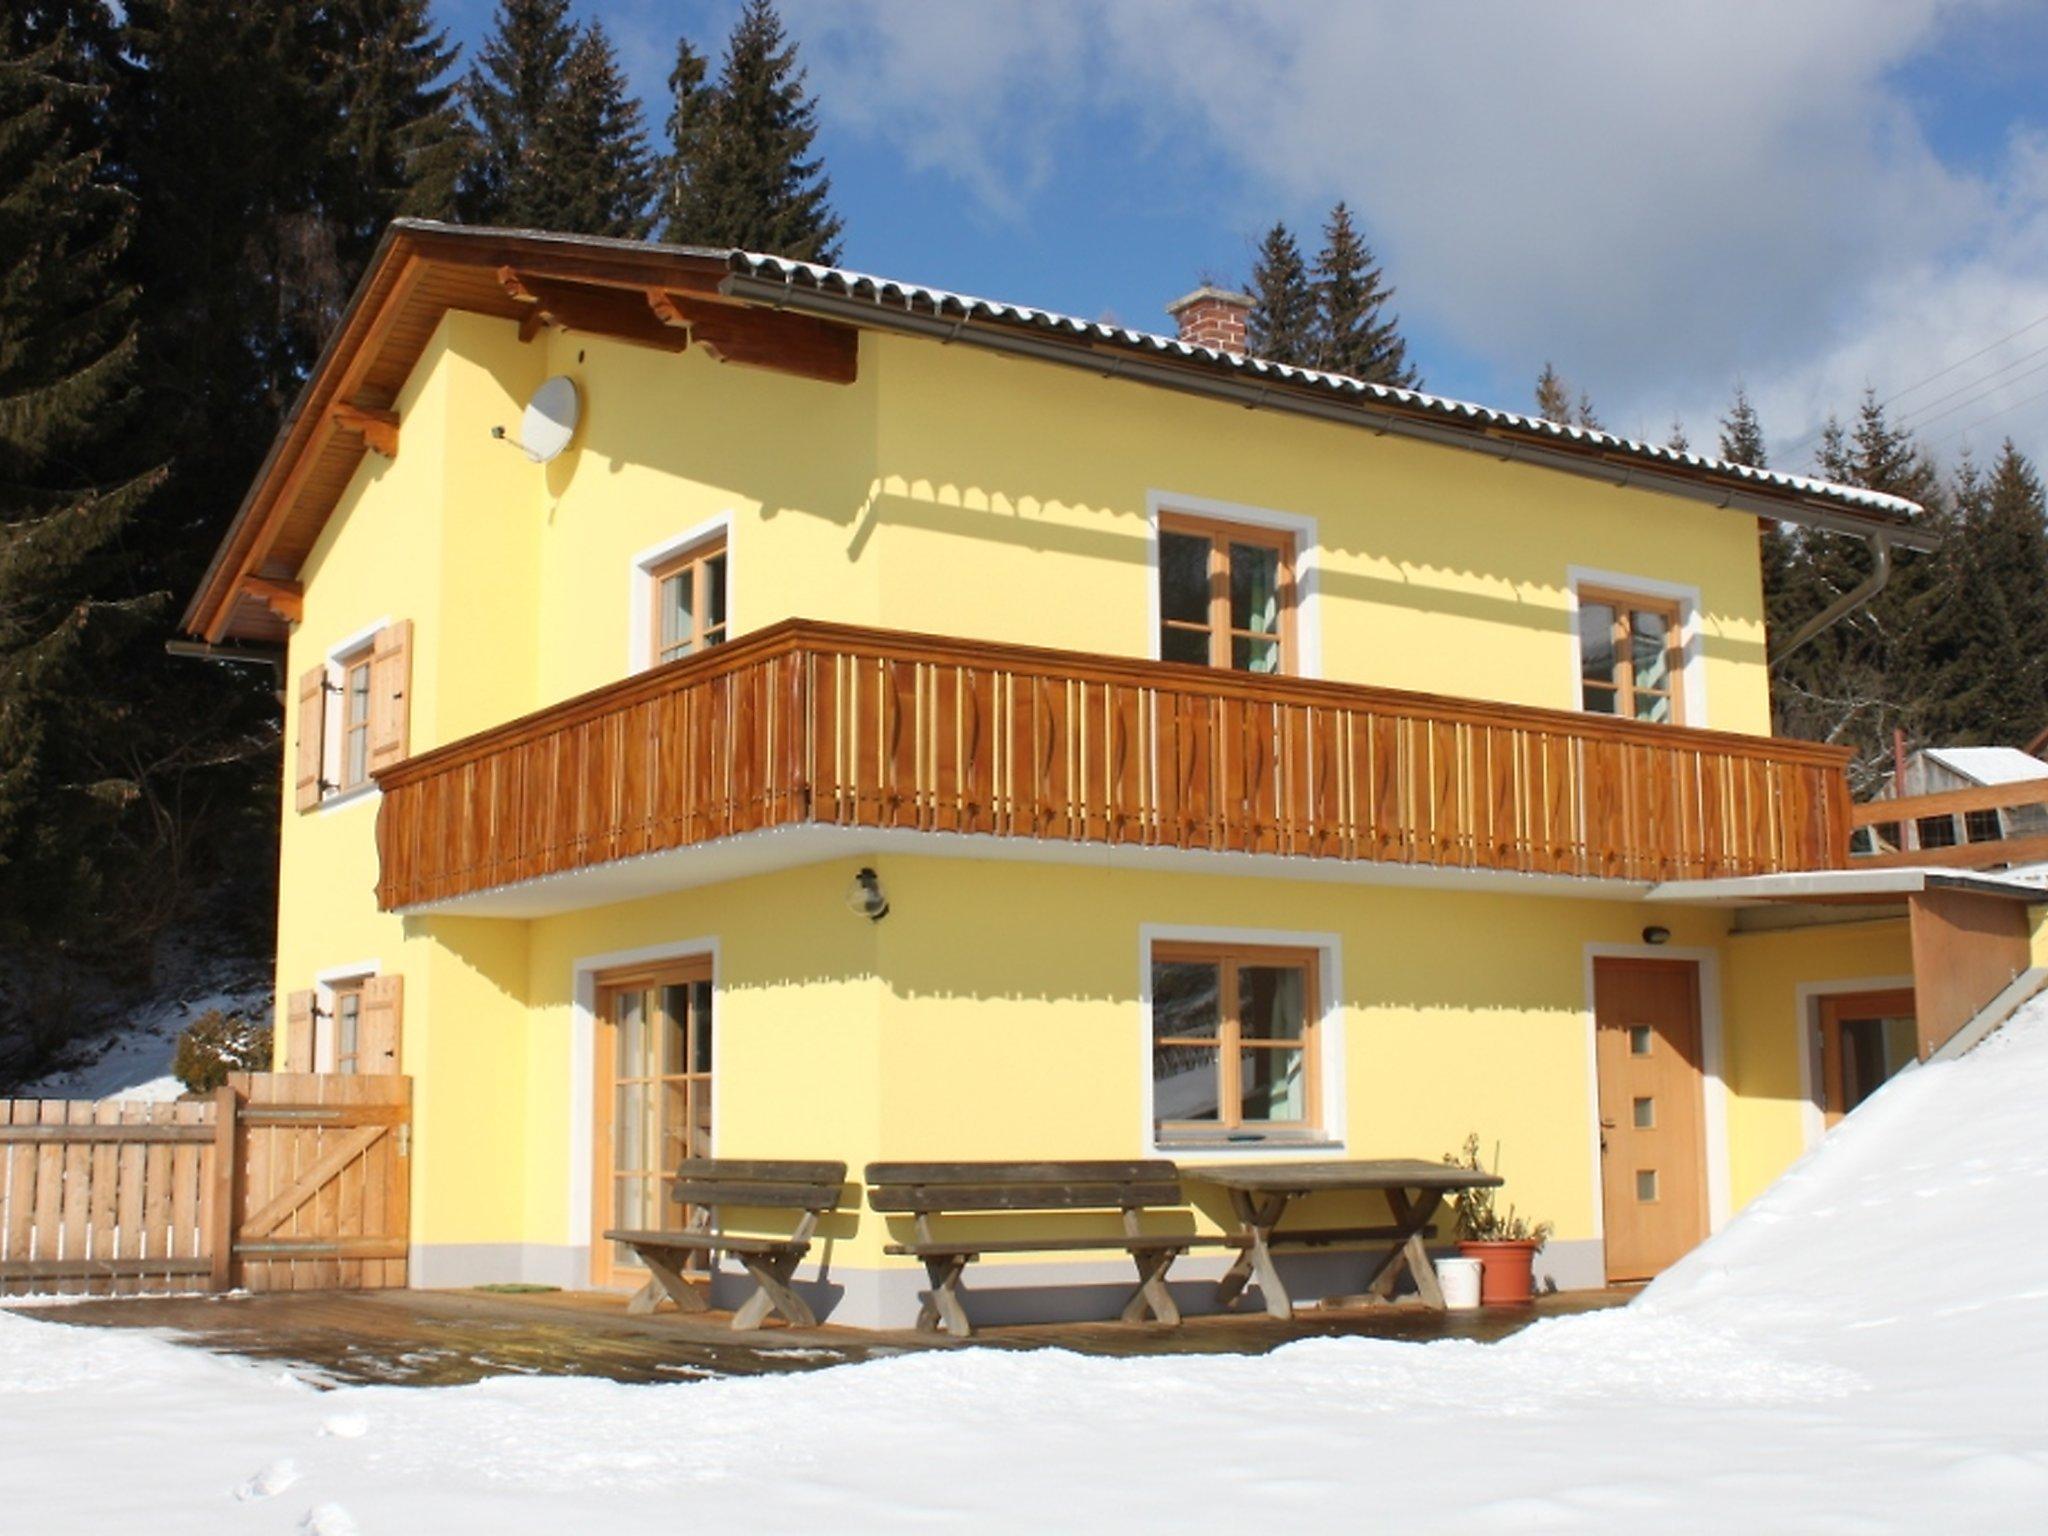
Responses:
[820,724]
[1981,827]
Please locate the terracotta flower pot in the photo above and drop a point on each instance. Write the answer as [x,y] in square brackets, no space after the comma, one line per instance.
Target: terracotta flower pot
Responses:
[1504,1271]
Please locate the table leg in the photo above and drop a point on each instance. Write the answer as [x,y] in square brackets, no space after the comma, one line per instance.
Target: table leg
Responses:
[1408,1250]
[1257,1219]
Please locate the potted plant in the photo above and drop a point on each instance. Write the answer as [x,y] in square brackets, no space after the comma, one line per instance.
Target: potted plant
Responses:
[1505,1245]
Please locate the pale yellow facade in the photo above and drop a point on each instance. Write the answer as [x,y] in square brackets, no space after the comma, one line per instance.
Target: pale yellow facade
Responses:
[997,1011]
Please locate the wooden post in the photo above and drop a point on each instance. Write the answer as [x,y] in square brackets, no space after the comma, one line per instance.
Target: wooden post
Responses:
[220,1230]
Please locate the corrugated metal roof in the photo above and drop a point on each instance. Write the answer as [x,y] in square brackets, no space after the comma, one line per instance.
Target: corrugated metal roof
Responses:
[941,302]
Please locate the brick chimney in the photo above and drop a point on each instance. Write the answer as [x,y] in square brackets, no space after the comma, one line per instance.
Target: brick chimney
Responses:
[1212,317]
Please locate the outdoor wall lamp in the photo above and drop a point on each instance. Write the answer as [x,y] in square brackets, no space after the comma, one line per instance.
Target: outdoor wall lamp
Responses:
[865,896]
[1656,935]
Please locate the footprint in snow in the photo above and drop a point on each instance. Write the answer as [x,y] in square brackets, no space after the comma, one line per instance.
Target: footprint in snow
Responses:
[268,1483]
[328,1520]
[346,1426]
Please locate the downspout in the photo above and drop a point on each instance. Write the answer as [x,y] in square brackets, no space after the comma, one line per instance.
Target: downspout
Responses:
[1846,604]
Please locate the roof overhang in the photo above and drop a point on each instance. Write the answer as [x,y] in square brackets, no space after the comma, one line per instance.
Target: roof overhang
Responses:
[759,311]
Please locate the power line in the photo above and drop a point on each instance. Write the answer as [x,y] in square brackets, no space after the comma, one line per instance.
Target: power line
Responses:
[1969,427]
[1813,433]
[1976,385]
[1952,367]
[1979,398]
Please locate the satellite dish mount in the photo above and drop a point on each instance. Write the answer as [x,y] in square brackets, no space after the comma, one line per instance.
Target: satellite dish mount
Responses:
[550,420]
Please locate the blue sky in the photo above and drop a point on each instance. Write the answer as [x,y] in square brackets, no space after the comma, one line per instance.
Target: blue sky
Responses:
[1813,198]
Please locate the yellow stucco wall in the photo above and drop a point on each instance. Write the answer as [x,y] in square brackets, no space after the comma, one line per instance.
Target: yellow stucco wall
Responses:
[1770,1029]
[959,493]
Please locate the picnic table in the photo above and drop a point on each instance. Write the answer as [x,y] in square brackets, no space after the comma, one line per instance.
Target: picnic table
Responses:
[1261,1192]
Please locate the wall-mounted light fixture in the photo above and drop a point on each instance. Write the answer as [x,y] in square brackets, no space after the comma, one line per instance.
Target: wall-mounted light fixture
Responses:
[1655,935]
[865,896]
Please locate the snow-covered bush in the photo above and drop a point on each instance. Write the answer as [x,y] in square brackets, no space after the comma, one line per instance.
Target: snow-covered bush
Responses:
[217,1043]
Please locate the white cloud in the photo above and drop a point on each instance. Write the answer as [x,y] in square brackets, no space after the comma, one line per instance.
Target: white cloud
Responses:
[1661,198]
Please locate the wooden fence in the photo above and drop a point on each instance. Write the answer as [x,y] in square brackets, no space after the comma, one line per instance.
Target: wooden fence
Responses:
[826,724]
[278,1181]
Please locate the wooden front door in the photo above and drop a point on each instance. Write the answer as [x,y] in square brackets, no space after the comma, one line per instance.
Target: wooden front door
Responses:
[1652,1123]
[653,1077]
[1864,1038]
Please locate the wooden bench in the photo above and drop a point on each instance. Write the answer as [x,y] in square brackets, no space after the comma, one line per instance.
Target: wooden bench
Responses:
[710,1183]
[928,1190]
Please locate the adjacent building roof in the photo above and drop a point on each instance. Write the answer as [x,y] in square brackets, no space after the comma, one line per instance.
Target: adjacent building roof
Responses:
[666,295]
[1989,765]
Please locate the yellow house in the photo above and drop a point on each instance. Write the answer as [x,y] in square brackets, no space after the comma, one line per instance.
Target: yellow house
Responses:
[757,710]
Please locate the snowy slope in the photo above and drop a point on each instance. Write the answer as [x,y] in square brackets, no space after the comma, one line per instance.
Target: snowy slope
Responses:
[134,1062]
[1863,1350]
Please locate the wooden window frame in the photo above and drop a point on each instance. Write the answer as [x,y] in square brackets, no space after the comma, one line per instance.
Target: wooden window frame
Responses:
[340,995]
[1625,603]
[696,559]
[1836,1009]
[687,970]
[354,662]
[1230,1124]
[1221,533]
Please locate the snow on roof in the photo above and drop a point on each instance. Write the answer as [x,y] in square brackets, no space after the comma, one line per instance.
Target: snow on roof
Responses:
[1989,765]
[940,301]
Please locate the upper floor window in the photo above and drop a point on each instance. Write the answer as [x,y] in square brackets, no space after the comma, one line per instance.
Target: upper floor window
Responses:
[354,715]
[689,601]
[1226,595]
[1630,657]
[354,670]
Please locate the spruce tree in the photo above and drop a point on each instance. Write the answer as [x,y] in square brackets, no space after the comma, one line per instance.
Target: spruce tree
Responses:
[601,164]
[1282,324]
[1742,435]
[1554,401]
[515,100]
[399,142]
[745,175]
[1354,334]
[68,488]
[1678,442]
[689,115]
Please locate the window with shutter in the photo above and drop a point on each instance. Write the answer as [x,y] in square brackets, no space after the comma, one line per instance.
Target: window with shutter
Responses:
[390,683]
[378,1038]
[298,1032]
[312,752]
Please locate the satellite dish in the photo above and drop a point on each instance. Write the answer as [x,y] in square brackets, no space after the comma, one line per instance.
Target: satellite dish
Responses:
[550,419]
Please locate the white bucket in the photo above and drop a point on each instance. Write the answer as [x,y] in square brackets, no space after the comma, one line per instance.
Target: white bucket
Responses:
[1459,1281]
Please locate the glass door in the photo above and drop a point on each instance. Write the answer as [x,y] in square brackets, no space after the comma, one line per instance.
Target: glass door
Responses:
[653,1101]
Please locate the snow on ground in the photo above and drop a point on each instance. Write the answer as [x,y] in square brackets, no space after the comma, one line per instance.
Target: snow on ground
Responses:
[134,1062]
[1862,1350]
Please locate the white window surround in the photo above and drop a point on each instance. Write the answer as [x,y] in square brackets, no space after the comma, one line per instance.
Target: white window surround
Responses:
[331,731]
[640,604]
[1809,994]
[1713,1073]
[1308,604]
[1329,1040]
[584,972]
[1692,680]
[324,983]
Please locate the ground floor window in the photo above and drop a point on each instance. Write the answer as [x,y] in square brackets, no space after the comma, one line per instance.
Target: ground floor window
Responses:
[1865,1038]
[1233,1041]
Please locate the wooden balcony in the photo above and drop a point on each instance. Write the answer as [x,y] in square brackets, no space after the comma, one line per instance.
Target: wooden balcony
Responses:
[808,724]
[1985,827]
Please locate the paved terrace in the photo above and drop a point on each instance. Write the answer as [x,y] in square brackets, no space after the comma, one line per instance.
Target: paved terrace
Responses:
[451,1338]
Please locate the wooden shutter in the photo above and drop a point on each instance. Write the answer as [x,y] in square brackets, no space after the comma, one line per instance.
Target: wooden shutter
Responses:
[312,736]
[377,1030]
[298,1032]
[390,694]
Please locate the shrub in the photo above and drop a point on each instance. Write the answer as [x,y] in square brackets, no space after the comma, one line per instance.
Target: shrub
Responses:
[215,1044]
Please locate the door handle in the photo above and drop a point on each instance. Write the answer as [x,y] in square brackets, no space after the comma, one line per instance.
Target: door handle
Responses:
[1606,1125]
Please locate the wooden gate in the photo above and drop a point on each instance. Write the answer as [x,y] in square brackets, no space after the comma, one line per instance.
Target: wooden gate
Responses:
[278,1181]
[323,1186]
